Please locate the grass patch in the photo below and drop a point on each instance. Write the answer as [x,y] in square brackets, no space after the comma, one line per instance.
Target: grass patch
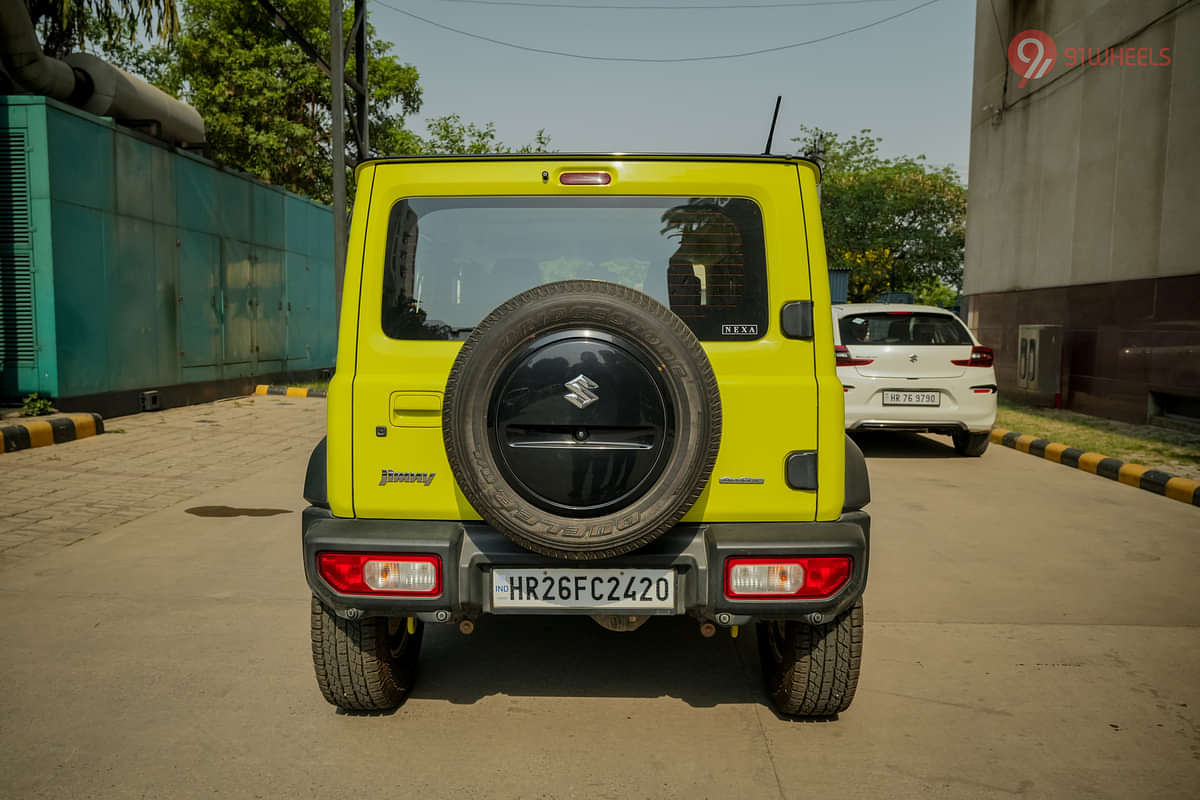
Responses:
[311,385]
[1176,452]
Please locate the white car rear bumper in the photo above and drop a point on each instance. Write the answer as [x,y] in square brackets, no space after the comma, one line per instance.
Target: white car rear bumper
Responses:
[960,408]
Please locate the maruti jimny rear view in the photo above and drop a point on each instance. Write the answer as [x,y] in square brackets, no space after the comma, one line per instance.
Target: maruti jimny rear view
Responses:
[599,385]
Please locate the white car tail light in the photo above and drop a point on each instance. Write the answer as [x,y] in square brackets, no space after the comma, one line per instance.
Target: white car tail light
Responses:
[390,574]
[761,578]
[980,357]
[843,357]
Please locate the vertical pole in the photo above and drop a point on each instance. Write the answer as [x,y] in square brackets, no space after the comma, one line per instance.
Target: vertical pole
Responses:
[337,65]
[360,72]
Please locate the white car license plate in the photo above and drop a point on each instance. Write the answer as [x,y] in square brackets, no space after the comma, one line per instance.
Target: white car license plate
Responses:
[602,589]
[897,398]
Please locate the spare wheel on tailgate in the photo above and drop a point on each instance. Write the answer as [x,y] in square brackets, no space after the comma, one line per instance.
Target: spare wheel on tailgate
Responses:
[582,419]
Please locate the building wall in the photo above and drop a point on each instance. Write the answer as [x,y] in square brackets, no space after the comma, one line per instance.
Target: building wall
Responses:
[839,285]
[1085,198]
[151,267]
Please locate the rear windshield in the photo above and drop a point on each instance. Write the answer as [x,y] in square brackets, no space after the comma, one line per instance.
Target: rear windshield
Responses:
[902,328]
[451,260]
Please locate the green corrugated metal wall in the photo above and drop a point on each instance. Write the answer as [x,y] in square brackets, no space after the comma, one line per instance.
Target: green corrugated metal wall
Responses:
[128,265]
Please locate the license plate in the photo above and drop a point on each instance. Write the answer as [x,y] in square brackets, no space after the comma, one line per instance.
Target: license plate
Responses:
[895,398]
[601,589]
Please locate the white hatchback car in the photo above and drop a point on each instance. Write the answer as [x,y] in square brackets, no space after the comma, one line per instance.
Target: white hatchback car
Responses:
[915,368]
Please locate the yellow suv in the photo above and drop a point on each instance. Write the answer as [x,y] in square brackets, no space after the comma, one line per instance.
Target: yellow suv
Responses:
[600,385]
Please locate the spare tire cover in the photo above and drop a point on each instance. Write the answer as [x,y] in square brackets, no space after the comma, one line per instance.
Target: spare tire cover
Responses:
[582,419]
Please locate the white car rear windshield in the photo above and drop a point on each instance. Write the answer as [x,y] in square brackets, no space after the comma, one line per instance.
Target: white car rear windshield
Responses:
[451,260]
[902,328]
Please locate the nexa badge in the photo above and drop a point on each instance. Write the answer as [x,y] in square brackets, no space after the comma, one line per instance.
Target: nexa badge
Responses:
[391,476]
[739,330]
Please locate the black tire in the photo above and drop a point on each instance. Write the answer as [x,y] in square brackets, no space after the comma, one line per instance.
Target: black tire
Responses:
[364,664]
[598,306]
[971,444]
[812,670]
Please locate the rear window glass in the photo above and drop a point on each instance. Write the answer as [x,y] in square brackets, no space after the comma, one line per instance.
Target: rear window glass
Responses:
[451,260]
[902,328]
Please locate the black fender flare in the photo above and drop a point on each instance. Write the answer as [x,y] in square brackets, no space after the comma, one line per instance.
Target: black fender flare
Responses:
[316,490]
[858,482]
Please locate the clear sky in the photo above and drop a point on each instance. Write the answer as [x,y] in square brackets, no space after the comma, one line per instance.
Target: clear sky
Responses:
[908,79]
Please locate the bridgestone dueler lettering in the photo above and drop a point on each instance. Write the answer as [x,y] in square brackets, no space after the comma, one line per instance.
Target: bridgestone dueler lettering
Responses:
[682,366]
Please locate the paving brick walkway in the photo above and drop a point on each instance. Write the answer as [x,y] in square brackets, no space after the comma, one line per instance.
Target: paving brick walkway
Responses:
[55,496]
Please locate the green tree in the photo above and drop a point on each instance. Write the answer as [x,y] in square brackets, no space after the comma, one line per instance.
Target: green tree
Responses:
[267,107]
[936,294]
[898,224]
[449,134]
[65,25]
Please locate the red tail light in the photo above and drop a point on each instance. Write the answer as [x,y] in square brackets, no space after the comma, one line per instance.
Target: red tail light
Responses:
[773,578]
[844,359]
[585,179]
[980,357]
[399,574]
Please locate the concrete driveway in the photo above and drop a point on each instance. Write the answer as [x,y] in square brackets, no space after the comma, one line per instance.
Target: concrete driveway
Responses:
[1031,630]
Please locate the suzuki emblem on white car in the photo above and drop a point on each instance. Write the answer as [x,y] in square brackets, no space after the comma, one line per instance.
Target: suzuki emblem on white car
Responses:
[913,358]
[581,395]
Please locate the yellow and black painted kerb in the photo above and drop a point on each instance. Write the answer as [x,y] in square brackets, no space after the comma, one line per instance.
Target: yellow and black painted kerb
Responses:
[26,432]
[288,391]
[1184,490]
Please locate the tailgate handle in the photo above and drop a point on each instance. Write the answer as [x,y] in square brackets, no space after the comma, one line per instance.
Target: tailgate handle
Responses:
[417,409]
[416,401]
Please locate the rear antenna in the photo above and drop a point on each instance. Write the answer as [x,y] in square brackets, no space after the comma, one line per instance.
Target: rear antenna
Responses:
[774,117]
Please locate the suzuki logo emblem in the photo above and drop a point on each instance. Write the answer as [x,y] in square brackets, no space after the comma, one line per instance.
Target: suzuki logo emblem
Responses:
[581,395]
[913,358]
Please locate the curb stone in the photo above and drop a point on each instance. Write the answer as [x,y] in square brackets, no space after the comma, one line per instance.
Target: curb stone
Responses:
[26,432]
[1185,490]
[288,391]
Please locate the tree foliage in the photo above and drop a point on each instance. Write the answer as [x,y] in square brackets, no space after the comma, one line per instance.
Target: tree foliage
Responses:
[64,26]
[898,224]
[267,107]
[449,134]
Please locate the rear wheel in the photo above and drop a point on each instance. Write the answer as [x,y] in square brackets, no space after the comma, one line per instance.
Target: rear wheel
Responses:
[363,664]
[812,670]
[971,444]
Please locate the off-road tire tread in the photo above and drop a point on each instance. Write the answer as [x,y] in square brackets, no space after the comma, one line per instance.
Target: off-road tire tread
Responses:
[469,482]
[354,668]
[819,672]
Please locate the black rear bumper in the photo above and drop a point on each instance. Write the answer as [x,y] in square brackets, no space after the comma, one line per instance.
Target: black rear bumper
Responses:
[697,553]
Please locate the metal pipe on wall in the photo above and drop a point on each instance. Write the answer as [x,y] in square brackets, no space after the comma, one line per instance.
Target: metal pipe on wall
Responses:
[89,83]
[122,96]
[24,59]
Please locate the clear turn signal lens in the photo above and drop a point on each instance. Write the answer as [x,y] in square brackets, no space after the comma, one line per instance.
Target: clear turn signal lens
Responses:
[766,579]
[400,576]
[785,578]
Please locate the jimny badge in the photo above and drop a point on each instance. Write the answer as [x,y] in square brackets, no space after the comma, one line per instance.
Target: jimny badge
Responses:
[387,476]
